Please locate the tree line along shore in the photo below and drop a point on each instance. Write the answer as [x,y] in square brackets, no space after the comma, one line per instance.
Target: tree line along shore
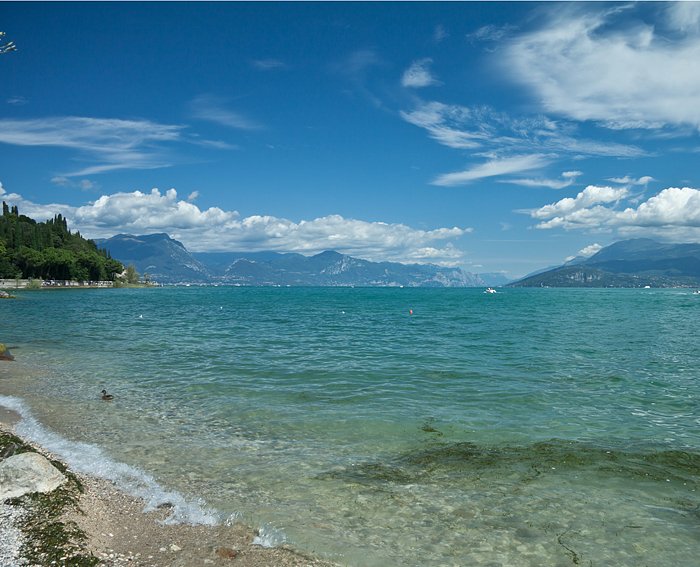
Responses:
[48,251]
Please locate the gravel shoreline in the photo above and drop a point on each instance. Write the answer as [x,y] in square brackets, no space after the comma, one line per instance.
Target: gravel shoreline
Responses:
[11,538]
[120,533]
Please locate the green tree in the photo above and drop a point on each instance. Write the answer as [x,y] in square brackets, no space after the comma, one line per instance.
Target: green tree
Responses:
[30,262]
[132,276]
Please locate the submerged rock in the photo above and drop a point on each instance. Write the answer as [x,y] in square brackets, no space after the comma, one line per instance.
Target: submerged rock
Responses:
[28,472]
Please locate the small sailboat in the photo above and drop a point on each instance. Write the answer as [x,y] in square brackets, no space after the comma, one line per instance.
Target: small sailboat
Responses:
[489,290]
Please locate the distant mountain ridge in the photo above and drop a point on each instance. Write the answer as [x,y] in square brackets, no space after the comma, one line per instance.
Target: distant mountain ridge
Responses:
[168,261]
[629,263]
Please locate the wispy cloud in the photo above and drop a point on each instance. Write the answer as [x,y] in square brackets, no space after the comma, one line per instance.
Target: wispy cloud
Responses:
[214,229]
[567,178]
[465,127]
[213,109]
[83,184]
[627,180]
[628,73]
[509,138]
[492,168]
[109,144]
[356,70]
[418,75]
[17,100]
[491,33]
[440,33]
[268,64]
[448,125]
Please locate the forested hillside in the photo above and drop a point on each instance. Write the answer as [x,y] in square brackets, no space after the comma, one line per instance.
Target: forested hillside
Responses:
[48,250]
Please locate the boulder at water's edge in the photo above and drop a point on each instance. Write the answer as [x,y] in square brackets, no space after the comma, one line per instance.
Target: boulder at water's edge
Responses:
[28,472]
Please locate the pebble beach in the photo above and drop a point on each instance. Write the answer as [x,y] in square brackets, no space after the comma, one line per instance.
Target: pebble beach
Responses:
[120,532]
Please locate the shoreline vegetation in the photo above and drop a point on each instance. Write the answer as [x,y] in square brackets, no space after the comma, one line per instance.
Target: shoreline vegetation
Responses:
[89,521]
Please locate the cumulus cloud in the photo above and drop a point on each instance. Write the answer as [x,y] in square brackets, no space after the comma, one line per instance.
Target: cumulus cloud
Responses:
[590,250]
[492,168]
[418,74]
[628,72]
[214,229]
[591,195]
[672,213]
[671,207]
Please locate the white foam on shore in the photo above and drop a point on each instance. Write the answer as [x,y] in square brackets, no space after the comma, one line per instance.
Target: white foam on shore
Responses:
[269,536]
[91,460]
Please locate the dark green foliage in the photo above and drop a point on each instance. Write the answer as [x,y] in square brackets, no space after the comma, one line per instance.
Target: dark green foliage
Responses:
[49,251]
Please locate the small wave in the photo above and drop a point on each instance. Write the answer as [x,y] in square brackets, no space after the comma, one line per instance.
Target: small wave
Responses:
[91,460]
[269,536]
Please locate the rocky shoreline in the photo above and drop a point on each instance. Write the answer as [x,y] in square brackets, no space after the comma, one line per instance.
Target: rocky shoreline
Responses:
[107,527]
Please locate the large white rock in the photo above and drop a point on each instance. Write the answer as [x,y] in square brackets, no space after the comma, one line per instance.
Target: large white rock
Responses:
[28,472]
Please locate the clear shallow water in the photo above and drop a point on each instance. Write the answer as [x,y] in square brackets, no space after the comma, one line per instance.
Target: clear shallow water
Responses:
[529,427]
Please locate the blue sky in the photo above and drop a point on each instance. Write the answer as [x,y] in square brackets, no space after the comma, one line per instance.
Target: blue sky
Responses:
[491,136]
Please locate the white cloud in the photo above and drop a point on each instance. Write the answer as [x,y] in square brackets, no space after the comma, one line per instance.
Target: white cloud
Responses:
[591,195]
[590,250]
[418,75]
[684,16]
[214,229]
[492,168]
[491,33]
[110,144]
[670,207]
[672,213]
[568,178]
[212,109]
[443,124]
[60,180]
[627,180]
[587,64]
[17,100]
[463,127]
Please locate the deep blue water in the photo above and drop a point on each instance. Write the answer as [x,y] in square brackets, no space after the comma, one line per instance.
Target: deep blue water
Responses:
[386,426]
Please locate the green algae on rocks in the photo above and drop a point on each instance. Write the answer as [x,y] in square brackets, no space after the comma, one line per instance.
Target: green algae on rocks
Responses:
[50,540]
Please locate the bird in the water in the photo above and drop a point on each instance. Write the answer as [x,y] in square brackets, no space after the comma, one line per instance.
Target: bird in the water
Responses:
[106,396]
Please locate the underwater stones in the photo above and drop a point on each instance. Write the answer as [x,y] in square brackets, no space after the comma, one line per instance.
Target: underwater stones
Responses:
[28,472]
[226,553]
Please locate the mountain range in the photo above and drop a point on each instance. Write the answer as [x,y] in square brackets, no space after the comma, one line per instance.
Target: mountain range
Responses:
[638,262]
[166,260]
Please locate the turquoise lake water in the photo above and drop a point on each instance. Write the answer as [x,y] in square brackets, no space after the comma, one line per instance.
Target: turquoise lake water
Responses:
[528,427]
